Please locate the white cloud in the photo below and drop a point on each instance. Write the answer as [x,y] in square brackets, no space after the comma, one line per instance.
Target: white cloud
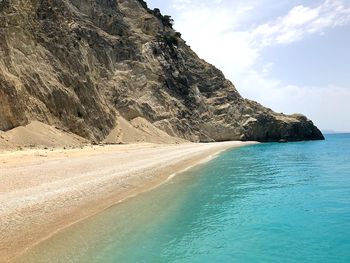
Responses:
[214,30]
[301,21]
[181,4]
[212,33]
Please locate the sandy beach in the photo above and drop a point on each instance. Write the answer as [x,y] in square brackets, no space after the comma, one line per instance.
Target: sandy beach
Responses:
[44,191]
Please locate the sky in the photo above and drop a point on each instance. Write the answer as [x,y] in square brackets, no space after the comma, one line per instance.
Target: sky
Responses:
[292,56]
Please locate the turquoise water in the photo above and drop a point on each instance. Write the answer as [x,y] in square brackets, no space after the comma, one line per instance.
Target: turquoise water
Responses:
[262,203]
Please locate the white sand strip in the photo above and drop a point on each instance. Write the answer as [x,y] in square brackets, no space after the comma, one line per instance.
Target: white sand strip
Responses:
[43,191]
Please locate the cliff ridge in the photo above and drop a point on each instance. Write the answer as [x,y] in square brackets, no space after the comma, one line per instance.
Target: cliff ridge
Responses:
[82,66]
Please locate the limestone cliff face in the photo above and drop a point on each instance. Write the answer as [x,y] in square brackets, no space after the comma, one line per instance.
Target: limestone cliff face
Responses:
[80,65]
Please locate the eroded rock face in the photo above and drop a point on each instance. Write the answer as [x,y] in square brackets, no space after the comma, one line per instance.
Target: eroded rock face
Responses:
[79,65]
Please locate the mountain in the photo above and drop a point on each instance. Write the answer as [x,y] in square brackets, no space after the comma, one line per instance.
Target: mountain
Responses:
[94,67]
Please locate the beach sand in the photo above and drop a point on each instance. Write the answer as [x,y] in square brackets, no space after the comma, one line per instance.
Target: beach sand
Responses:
[44,191]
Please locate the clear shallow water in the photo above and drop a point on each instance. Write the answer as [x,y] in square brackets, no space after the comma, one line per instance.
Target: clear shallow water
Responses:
[262,203]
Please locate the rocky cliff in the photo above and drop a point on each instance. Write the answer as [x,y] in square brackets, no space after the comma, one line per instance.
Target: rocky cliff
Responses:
[82,65]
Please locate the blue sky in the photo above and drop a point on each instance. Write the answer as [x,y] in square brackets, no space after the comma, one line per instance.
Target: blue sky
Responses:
[292,56]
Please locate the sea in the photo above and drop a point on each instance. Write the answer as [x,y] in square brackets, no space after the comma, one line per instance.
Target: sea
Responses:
[269,202]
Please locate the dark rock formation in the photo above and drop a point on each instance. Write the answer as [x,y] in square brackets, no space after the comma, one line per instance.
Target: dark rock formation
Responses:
[79,65]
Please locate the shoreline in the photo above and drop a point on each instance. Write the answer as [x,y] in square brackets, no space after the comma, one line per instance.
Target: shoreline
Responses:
[45,192]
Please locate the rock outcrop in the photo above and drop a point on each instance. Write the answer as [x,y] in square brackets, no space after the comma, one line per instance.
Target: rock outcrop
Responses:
[81,65]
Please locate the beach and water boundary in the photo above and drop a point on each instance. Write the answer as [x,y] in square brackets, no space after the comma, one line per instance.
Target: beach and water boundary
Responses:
[261,203]
[44,192]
